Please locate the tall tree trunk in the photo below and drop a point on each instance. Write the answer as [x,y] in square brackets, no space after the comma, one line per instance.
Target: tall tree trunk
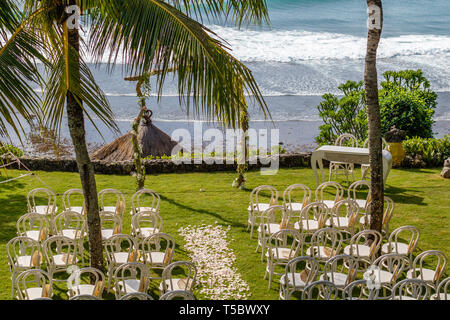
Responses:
[243,162]
[75,121]
[137,154]
[373,114]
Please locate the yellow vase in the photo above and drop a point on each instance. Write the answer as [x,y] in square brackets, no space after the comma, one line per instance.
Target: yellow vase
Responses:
[397,152]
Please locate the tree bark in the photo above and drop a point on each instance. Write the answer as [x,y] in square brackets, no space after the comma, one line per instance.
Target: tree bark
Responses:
[75,121]
[137,156]
[373,115]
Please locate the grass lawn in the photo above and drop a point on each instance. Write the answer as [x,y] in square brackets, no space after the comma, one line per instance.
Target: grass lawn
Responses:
[421,196]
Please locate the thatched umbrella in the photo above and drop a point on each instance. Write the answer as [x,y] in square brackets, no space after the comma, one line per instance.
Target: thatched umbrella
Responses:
[151,139]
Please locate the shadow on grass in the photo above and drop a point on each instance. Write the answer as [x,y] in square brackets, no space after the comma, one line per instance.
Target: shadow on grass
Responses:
[399,195]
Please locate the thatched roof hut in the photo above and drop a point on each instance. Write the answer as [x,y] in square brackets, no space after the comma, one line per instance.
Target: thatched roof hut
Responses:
[152,140]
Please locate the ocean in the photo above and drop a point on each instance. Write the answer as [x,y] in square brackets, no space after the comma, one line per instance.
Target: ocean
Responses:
[310,48]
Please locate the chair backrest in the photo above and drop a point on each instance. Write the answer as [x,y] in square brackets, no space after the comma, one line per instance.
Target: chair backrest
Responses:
[23,252]
[346,139]
[317,211]
[429,258]
[60,245]
[393,263]
[358,290]
[71,220]
[256,198]
[146,219]
[273,215]
[137,201]
[285,244]
[50,200]
[89,275]
[384,144]
[347,208]
[130,271]
[187,283]
[443,289]
[352,192]
[408,289]
[67,205]
[338,191]
[387,215]
[401,232]
[320,290]
[84,297]
[158,242]
[118,202]
[34,222]
[341,264]
[307,267]
[296,194]
[33,278]
[136,296]
[368,237]
[329,238]
[178,295]
[111,220]
[121,243]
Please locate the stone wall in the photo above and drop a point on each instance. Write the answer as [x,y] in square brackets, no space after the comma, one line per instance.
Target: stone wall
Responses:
[297,160]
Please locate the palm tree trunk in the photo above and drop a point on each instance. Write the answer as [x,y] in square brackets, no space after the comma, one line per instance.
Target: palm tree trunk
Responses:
[373,115]
[137,156]
[75,121]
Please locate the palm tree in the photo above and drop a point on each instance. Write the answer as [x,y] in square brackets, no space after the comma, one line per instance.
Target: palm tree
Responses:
[373,113]
[147,34]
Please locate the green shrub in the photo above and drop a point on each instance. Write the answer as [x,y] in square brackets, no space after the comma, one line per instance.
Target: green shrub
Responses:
[431,151]
[4,148]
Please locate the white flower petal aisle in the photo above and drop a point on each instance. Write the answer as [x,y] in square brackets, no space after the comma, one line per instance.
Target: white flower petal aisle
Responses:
[214,260]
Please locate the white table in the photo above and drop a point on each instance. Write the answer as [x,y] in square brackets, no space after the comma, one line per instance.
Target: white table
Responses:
[346,154]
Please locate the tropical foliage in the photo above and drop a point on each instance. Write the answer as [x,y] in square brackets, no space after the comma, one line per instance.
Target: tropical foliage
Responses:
[429,152]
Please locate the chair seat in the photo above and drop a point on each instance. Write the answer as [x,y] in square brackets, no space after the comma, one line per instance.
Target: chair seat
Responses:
[34,293]
[262,207]
[427,274]
[294,206]
[323,252]
[76,209]
[274,227]
[156,258]
[402,248]
[359,250]
[329,203]
[121,257]
[307,225]
[146,232]
[178,284]
[285,254]
[33,234]
[82,289]
[385,277]
[297,279]
[24,261]
[129,285]
[338,222]
[142,209]
[45,209]
[442,296]
[361,203]
[340,279]
[107,233]
[72,234]
[60,259]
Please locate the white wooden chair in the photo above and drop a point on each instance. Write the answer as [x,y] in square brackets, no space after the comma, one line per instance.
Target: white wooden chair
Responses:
[111,224]
[146,223]
[320,290]
[257,205]
[48,209]
[312,218]
[340,270]
[282,246]
[389,268]
[23,254]
[33,284]
[443,290]
[364,246]
[394,245]
[344,216]
[72,225]
[364,222]
[349,140]
[429,276]
[337,193]
[273,219]
[295,198]
[138,203]
[171,283]
[325,244]
[68,200]
[365,167]
[119,249]
[178,295]
[130,277]
[358,187]
[33,225]
[87,282]
[118,205]
[410,289]
[60,253]
[136,296]
[358,290]
[157,250]
[298,273]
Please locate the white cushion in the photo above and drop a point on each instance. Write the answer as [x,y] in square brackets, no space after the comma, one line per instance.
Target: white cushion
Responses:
[442,296]
[282,253]
[294,206]
[427,274]
[83,289]
[402,248]
[33,234]
[130,285]
[107,233]
[45,209]
[121,257]
[60,259]
[321,251]
[262,207]
[363,250]
[298,281]
[71,233]
[340,279]
[338,221]
[156,257]
[274,227]
[24,261]
[313,225]
[178,284]
[34,293]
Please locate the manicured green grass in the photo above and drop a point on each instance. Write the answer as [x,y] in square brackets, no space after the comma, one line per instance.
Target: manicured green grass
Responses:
[421,197]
